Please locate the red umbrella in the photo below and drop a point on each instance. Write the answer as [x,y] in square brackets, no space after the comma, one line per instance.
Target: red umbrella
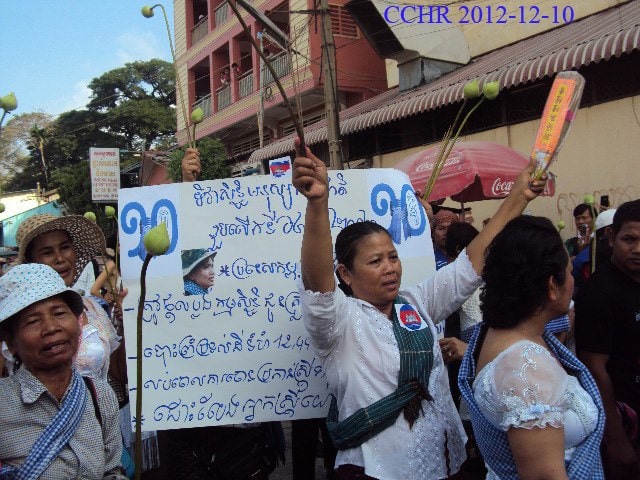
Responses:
[474,171]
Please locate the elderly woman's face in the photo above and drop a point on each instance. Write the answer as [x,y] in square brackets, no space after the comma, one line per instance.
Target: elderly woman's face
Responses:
[45,335]
[203,274]
[55,249]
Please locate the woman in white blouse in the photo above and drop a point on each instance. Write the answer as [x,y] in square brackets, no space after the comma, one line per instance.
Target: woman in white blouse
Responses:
[535,409]
[379,344]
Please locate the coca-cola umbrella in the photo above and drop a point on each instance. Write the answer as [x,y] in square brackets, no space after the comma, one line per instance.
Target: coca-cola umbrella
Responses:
[474,171]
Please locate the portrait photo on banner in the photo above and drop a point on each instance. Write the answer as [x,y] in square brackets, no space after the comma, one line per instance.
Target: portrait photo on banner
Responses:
[222,336]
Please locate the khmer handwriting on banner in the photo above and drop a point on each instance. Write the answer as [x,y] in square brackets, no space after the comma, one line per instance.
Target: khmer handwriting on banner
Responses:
[223,341]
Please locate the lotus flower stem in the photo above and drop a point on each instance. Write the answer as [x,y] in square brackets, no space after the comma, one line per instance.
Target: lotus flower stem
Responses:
[594,240]
[175,69]
[464,121]
[448,146]
[447,136]
[143,291]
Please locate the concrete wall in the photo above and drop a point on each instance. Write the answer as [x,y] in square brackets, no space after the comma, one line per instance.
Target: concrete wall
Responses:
[600,157]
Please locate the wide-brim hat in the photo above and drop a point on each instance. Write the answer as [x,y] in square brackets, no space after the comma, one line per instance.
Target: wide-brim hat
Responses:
[27,284]
[87,238]
[191,258]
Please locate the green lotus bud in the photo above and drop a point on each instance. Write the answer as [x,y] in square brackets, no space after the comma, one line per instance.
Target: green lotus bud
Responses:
[156,241]
[472,89]
[9,102]
[109,211]
[561,225]
[589,200]
[147,11]
[2,207]
[90,216]
[491,90]
[197,115]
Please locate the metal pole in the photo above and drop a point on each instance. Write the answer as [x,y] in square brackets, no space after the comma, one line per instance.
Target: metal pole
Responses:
[261,112]
[330,89]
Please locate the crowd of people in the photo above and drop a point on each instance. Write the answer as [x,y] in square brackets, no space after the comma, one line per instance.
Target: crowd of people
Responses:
[521,384]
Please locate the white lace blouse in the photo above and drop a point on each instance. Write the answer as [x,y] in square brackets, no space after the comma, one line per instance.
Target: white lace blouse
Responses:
[525,386]
[362,362]
[98,340]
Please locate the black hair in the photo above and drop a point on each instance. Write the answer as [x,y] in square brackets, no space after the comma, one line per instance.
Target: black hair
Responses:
[518,265]
[7,327]
[459,235]
[627,212]
[581,208]
[7,332]
[347,245]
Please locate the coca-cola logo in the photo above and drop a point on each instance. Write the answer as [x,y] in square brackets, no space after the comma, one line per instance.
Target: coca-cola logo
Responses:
[501,188]
[453,159]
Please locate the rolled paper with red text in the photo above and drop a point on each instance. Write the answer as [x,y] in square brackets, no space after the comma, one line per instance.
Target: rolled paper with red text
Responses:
[559,112]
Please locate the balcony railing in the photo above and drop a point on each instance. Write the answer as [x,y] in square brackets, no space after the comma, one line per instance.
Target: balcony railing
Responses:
[281,65]
[199,30]
[224,97]
[205,104]
[221,13]
[245,84]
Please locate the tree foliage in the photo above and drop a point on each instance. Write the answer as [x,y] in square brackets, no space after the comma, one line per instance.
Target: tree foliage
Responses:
[14,141]
[131,108]
[74,185]
[213,157]
[153,79]
[138,101]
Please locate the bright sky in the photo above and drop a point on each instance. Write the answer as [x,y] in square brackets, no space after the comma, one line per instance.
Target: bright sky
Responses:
[51,49]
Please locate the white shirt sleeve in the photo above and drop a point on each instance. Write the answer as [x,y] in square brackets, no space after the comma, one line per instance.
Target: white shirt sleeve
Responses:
[525,387]
[322,318]
[446,290]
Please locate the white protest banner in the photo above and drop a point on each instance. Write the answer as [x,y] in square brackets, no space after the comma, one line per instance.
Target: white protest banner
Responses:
[239,352]
[105,174]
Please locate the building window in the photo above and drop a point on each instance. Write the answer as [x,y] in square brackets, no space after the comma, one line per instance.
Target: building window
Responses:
[239,148]
[342,23]
[289,128]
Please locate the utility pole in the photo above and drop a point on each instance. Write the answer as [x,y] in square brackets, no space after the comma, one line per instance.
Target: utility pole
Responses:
[261,112]
[330,89]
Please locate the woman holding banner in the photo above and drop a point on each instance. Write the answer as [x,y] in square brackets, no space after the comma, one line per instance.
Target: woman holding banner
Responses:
[392,416]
